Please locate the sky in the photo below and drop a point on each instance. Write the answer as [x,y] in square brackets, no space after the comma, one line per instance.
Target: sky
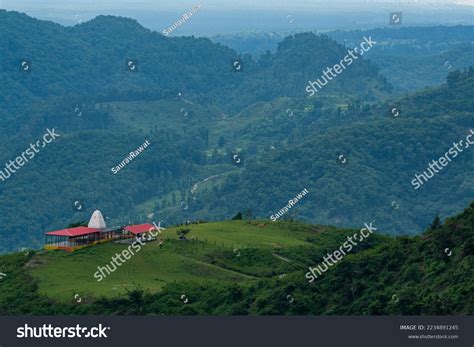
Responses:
[235,16]
[249,4]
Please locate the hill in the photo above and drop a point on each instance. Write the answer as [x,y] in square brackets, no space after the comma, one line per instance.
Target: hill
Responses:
[90,61]
[409,58]
[381,152]
[416,57]
[179,97]
[198,114]
[258,267]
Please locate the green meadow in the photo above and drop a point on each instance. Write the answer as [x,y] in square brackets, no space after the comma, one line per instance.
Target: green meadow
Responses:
[203,257]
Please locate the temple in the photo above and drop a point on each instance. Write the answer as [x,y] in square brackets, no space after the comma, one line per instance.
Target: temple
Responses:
[72,239]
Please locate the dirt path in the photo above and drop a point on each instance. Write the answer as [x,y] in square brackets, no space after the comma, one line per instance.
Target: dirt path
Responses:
[281,258]
[195,187]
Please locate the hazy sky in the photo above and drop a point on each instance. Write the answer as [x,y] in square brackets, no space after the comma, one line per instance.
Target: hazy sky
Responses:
[247,4]
[226,16]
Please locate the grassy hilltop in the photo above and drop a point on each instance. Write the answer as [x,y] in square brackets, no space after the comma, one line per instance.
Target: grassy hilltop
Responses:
[209,256]
[257,267]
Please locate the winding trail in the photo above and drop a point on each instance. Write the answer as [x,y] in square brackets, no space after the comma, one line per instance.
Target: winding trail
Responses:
[195,187]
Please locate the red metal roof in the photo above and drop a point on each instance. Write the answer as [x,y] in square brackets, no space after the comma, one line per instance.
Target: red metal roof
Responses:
[78,231]
[139,228]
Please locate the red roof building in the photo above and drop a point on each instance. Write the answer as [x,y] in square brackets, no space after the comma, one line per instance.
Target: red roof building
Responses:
[72,232]
[139,228]
[71,239]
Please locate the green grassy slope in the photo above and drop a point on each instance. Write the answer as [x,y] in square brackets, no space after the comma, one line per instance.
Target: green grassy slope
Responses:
[62,275]
[236,267]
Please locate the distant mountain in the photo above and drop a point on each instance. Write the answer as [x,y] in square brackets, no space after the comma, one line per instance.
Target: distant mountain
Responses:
[415,57]
[91,59]
[408,57]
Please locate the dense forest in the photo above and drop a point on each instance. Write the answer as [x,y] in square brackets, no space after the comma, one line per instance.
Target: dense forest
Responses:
[382,152]
[199,114]
[90,60]
[409,57]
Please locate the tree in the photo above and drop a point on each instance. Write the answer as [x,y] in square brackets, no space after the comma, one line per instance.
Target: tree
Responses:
[182,233]
[436,223]
[248,214]
[221,141]
[173,198]
[238,216]
[453,77]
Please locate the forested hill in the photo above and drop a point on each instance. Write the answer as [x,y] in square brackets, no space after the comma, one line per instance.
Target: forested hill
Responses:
[78,80]
[90,59]
[197,112]
[409,57]
[382,147]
